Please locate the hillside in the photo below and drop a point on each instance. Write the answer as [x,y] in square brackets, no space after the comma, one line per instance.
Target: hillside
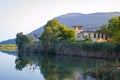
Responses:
[91,21]
[10,41]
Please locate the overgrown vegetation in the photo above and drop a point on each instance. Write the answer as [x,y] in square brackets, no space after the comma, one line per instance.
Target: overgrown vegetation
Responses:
[89,49]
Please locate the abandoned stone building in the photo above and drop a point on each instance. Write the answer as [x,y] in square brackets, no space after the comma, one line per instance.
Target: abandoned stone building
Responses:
[95,36]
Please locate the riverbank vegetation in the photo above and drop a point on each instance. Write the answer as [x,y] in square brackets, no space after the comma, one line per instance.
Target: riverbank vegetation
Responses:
[8,47]
[89,49]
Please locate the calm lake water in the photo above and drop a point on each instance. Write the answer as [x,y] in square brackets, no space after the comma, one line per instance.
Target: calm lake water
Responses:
[31,66]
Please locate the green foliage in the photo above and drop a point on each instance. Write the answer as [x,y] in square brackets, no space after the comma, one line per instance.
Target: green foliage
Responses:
[89,49]
[54,32]
[21,40]
[114,28]
[114,24]
[51,30]
[66,34]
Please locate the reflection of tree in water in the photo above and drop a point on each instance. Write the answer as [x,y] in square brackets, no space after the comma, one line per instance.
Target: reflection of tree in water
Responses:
[57,67]
[21,61]
[25,59]
[54,71]
[49,68]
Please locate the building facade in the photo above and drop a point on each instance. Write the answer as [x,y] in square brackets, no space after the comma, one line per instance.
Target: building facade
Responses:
[95,36]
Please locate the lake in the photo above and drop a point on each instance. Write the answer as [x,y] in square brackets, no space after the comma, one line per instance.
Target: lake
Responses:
[32,66]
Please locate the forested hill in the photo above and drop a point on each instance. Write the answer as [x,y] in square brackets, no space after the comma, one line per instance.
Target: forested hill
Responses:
[90,21]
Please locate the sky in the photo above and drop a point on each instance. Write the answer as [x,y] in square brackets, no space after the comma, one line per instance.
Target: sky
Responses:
[28,15]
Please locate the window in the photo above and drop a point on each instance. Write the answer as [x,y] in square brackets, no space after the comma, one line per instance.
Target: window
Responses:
[102,35]
[94,35]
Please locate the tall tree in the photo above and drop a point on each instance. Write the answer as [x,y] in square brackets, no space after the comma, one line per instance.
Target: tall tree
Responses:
[114,28]
[21,40]
[51,31]
[54,31]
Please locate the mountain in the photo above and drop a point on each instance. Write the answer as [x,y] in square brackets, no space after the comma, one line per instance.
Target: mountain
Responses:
[91,21]
[10,41]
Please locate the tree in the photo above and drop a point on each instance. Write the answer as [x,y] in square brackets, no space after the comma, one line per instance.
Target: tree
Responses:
[21,40]
[66,34]
[51,31]
[54,31]
[114,28]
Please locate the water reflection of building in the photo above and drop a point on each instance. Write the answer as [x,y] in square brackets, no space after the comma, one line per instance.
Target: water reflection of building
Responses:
[77,76]
[95,36]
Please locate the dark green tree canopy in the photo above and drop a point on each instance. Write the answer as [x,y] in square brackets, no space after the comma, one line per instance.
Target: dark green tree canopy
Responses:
[114,28]
[114,24]
[55,31]
[21,40]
